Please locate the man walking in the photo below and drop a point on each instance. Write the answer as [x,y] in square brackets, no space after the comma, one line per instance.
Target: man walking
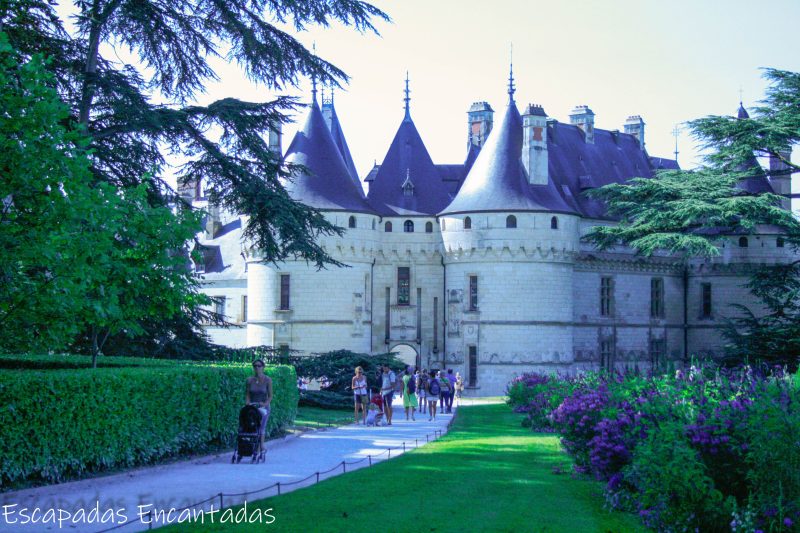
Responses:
[388,379]
[452,379]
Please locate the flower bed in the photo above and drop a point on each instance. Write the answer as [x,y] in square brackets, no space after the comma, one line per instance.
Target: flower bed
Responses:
[704,449]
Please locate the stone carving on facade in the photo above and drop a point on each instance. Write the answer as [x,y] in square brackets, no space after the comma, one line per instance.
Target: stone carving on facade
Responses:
[454,299]
[358,314]
[403,320]
[283,332]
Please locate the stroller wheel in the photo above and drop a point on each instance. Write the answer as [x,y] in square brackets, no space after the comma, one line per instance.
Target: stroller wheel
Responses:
[238,459]
[233,458]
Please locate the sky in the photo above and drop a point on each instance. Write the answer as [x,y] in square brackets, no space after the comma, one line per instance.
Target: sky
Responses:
[669,62]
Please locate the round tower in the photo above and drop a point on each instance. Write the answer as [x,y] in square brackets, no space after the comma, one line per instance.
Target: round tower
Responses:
[293,304]
[508,252]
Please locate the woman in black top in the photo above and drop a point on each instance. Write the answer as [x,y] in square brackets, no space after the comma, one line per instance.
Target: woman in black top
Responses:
[258,392]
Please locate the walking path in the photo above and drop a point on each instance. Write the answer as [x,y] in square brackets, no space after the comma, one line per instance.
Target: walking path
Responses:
[129,496]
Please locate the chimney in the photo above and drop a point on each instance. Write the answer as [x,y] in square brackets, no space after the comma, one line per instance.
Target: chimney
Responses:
[213,222]
[534,144]
[583,117]
[480,118]
[780,177]
[635,126]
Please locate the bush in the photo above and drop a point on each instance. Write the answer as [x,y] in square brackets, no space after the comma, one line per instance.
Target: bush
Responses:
[337,368]
[65,423]
[325,399]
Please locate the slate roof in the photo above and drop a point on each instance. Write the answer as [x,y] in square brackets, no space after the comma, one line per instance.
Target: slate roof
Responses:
[328,185]
[662,163]
[335,127]
[407,157]
[757,183]
[497,180]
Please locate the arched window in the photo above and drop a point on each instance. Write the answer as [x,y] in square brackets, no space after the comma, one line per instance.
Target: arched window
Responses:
[408,226]
[554,223]
[780,242]
[511,221]
[467,223]
[429,227]
[388,227]
[352,222]
[743,243]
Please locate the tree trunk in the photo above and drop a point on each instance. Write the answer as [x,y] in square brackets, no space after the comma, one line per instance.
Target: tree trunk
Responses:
[90,71]
[95,348]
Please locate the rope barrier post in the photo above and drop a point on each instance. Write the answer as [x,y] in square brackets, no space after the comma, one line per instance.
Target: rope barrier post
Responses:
[404,446]
[416,443]
[317,477]
[426,438]
[344,467]
[279,487]
[370,459]
[390,453]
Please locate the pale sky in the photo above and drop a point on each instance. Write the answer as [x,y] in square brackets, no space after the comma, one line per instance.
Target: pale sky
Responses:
[668,61]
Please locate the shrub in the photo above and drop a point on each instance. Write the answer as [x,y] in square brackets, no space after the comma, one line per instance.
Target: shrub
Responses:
[64,423]
[336,368]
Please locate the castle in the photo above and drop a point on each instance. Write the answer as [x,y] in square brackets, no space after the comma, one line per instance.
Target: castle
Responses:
[480,266]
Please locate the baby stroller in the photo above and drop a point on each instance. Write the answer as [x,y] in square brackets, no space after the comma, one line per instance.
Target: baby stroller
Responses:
[248,440]
[375,410]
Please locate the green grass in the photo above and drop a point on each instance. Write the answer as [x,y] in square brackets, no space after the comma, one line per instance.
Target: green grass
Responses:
[486,474]
[318,417]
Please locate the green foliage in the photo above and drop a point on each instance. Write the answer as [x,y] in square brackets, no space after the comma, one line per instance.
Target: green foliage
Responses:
[338,368]
[325,399]
[64,423]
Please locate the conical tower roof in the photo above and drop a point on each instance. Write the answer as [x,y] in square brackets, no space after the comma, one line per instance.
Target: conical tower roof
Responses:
[327,185]
[332,120]
[756,183]
[497,182]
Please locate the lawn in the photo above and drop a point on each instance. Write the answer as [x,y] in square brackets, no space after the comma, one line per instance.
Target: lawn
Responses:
[317,417]
[487,474]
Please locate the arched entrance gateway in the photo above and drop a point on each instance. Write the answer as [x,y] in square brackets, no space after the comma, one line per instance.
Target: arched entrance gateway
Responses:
[407,354]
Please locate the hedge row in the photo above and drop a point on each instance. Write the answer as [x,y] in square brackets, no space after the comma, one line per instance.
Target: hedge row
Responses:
[69,361]
[57,424]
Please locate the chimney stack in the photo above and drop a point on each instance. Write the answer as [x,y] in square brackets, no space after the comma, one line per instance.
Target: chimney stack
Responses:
[213,222]
[534,145]
[480,119]
[635,126]
[583,117]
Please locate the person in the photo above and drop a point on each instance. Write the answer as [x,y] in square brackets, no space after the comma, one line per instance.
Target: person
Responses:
[445,393]
[409,397]
[452,379]
[258,392]
[388,380]
[459,388]
[360,396]
[432,395]
[420,383]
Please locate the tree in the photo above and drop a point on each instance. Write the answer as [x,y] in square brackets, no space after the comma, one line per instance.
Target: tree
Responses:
[78,254]
[688,213]
[137,118]
[222,143]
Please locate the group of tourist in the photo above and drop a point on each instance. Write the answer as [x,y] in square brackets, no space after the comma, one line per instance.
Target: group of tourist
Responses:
[420,389]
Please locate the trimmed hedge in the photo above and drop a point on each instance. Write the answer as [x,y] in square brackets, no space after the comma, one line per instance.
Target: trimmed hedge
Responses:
[56,424]
[71,361]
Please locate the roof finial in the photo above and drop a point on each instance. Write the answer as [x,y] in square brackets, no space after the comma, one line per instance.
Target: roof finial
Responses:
[675,132]
[740,96]
[332,90]
[511,88]
[314,76]
[407,98]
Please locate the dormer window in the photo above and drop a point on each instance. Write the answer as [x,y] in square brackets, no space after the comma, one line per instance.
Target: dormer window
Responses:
[408,185]
[467,223]
[351,223]
[511,221]
[408,226]
[743,242]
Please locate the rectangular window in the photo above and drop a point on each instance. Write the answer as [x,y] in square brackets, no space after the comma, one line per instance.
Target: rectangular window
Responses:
[606,296]
[285,292]
[244,309]
[706,311]
[658,349]
[219,305]
[403,285]
[473,366]
[473,293]
[607,353]
[657,298]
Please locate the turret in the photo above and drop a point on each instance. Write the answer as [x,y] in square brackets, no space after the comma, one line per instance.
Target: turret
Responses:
[534,145]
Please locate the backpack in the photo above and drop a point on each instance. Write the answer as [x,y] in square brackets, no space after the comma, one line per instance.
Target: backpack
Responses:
[435,389]
[445,385]
[412,385]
